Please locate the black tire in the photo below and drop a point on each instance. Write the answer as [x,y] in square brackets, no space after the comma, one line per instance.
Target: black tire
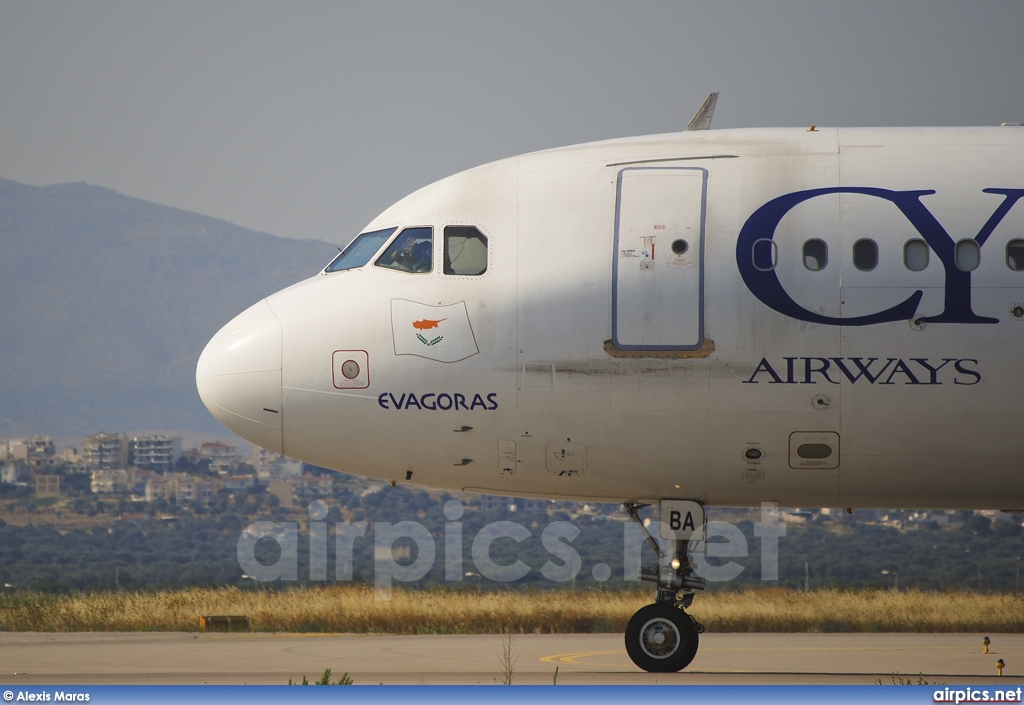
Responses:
[661,638]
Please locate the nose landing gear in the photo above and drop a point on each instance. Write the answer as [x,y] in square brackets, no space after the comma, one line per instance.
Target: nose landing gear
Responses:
[663,637]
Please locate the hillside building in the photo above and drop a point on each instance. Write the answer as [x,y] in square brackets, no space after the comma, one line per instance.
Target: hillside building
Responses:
[217,450]
[71,459]
[37,452]
[237,482]
[47,485]
[160,488]
[194,489]
[271,466]
[109,481]
[105,451]
[180,487]
[223,457]
[308,487]
[158,453]
[15,472]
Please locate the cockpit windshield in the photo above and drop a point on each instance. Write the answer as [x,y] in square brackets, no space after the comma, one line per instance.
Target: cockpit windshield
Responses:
[360,250]
[410,252]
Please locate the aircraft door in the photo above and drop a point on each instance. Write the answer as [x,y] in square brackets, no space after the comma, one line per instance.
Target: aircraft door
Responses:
[658,260]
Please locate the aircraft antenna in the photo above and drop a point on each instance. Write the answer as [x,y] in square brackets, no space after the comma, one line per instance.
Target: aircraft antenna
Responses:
[702,120]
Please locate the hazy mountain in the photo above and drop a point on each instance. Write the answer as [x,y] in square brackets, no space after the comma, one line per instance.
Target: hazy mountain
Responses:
[106,302]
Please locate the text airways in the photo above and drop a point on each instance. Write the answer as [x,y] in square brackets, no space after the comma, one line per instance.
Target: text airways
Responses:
[872,370]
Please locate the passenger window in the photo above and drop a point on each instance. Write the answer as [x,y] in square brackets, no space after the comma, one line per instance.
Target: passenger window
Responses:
[815,255]
[968,255]
[411,251]
[360,250]
[865,255]
[465,251]
[915,255]
[1015,255]
[765,254]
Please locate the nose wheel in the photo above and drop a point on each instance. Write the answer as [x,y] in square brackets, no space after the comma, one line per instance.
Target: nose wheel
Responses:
[662,638]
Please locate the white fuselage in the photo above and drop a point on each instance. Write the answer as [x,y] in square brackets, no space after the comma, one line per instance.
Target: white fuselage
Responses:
[597,357]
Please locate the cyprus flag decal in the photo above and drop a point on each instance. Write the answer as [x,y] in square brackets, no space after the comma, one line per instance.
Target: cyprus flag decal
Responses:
[441,333]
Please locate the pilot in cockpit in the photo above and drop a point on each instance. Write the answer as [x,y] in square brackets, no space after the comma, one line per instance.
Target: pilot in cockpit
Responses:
[412,254]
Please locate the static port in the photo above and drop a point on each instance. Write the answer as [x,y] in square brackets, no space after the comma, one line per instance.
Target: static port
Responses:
[753,454]
[1017,311]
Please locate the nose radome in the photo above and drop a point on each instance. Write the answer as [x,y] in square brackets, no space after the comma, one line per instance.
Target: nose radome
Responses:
[239,376]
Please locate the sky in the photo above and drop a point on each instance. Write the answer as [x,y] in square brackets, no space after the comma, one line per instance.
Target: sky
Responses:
[306,119]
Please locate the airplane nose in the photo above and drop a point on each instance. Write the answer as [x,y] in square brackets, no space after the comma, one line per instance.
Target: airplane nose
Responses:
[239,376]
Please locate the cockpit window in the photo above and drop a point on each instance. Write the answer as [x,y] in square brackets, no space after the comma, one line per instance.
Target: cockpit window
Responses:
[465,251]
[360,250]
[411,251]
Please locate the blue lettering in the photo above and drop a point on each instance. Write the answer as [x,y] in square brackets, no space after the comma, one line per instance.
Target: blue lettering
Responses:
[865,370]
[959,365]
[901,368]
[790,361]
[855,369]
[763,282]
[958,282]
[933,371]
[432,401]
[822,370]
[763,366]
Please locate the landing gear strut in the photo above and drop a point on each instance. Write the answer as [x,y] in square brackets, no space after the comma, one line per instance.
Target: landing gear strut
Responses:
[663,637]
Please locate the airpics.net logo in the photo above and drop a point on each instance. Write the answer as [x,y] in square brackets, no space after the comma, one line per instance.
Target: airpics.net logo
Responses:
[712,558]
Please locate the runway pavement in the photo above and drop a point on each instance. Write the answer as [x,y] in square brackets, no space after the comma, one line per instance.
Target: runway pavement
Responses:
[181,658]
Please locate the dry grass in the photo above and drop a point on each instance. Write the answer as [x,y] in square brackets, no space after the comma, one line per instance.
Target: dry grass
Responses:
[354,609]
[777,610]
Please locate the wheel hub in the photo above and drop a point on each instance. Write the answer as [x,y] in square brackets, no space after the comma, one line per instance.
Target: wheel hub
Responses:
[659,638]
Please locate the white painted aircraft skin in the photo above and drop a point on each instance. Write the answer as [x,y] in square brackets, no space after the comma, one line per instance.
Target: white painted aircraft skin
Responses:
[543,403]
